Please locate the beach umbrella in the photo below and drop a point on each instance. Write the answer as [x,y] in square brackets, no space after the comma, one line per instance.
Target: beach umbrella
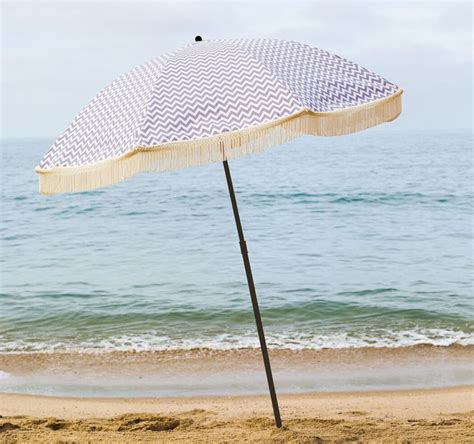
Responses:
[212,101]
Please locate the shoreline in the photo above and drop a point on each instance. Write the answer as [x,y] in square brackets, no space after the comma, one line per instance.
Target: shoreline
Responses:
[206,372]
[426,415]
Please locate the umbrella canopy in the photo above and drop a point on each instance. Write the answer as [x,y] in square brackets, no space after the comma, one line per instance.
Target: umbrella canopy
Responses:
[212,101]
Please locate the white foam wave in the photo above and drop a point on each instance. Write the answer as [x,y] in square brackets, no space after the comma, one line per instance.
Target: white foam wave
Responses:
[294,341]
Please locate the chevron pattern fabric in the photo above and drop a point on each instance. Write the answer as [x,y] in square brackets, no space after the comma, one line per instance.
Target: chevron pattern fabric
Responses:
[211,88]
[322,81]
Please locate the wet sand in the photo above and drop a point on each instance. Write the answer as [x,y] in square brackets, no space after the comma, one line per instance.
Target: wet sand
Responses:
[204,372]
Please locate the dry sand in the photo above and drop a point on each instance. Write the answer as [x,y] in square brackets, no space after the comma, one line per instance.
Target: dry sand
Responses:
[432,415]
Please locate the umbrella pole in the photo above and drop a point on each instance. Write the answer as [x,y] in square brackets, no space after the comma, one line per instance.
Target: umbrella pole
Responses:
[253,296]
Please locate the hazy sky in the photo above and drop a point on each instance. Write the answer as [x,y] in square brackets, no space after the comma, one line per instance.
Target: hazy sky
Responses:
[57,55]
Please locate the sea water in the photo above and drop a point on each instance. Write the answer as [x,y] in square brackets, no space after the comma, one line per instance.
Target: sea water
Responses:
[356,241]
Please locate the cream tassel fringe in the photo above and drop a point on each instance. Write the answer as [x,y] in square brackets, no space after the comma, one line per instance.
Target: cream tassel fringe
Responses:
[175,155]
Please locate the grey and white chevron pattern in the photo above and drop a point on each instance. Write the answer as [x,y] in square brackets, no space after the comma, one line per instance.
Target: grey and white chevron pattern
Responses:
[209,88]
[322,81]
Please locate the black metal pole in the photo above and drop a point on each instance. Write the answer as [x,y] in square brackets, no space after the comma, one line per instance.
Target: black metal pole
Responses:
[253,296]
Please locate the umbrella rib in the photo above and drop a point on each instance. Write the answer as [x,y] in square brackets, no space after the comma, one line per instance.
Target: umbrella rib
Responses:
[253,296]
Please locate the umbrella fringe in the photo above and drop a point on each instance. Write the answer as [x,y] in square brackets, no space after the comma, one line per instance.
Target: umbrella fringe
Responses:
[175,155]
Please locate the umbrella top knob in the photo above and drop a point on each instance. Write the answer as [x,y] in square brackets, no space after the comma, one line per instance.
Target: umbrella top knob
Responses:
[198,38]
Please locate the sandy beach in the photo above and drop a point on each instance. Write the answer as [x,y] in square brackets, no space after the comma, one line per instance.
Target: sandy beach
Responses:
[435,415]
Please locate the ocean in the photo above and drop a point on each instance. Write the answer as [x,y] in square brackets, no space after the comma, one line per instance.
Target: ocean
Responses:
[356,241]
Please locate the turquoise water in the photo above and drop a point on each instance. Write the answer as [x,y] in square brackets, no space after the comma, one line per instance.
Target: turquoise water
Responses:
[363,240]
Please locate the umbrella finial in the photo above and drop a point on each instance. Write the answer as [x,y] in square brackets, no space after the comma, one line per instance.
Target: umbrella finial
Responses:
[198,38]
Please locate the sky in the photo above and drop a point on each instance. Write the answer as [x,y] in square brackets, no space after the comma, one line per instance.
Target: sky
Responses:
[56,56]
